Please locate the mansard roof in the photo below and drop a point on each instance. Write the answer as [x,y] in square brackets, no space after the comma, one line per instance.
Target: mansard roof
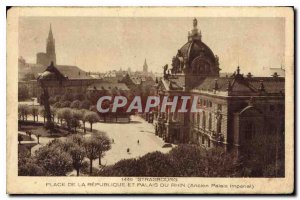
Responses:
[237,86]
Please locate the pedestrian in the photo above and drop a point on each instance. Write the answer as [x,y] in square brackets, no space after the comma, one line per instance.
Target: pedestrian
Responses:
[113,141]
[138,141]
[128,150]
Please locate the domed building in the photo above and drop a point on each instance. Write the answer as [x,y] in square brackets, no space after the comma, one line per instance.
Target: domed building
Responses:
[234,109]
[195,57]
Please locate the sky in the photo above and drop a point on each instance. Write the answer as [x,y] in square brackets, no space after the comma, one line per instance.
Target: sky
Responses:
[107,43]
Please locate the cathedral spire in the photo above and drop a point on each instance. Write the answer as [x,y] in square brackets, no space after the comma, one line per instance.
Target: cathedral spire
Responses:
[145,66]
[50,35]
[50,48]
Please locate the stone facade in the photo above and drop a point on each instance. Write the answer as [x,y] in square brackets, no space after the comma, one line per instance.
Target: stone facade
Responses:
[235,109]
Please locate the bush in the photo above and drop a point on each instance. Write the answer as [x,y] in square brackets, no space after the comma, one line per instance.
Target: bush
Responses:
[55,161]
[182,161]
[157,164]
[57,105]
[188,160]
[85,104]
[65,104]
[75,104]
[28,167]
[128,167]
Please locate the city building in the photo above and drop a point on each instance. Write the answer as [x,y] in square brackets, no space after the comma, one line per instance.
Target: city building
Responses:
[235,108]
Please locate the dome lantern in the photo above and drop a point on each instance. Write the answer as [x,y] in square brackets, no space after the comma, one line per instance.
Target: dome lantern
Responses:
[194,34]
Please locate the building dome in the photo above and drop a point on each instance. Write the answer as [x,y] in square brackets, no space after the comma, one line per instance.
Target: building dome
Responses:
[51,73]
[195,56]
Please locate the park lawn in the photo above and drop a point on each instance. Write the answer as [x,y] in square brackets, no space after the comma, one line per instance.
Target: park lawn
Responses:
[40,130]
[26,137]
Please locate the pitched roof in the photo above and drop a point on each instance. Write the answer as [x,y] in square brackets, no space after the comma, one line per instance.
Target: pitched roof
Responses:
[108,86]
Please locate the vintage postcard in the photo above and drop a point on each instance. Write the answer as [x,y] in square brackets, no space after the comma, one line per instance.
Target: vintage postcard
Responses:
[150,100]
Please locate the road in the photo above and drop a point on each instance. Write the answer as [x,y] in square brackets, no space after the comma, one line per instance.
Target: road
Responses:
[126,135]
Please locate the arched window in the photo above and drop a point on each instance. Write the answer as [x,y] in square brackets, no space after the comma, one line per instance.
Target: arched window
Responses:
[203,120]
[209,122]
[219,124]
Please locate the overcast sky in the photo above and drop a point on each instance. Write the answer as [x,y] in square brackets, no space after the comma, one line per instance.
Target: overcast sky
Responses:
[101,44]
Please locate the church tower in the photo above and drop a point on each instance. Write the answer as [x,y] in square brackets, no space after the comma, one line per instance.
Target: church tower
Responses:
[50,49]
[145,67]
[43,58]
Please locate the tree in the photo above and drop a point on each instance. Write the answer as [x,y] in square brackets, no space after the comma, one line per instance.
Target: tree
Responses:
[73,147]
[78,154]
[75,123]
[104,144]
[53,111]
[83,112]
[57,98]
[55,161]
[126,167]
[68,96]
[20,138]
[182,161]
[263,156]
[157,164]
[93,108]
[52,100]
[66,114]
[189,160]
[29,167]
[29,77]
[42,112]
[77,115]
[57,105]
[59,115]
[91,117]
[23,92]
[76,139]
[34,111]
[75,104]
[85,104]
[65,104]
[91,147]
[23,111]
[219,163]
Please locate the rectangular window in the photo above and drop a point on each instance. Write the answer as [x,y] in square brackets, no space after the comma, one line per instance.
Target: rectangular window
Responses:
[219,107]
[208,143]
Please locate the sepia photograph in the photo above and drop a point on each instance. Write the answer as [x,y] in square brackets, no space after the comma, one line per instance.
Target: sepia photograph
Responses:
[166,99]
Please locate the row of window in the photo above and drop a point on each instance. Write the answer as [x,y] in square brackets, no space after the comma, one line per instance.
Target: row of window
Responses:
[207,103]
[196,120]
